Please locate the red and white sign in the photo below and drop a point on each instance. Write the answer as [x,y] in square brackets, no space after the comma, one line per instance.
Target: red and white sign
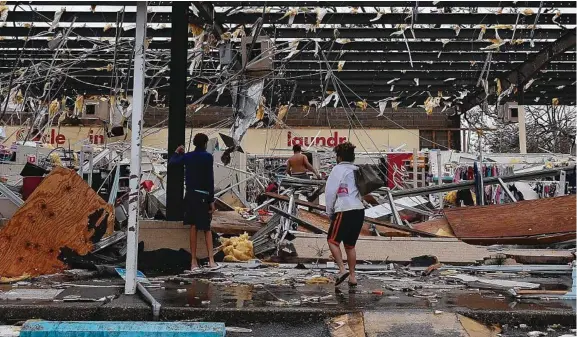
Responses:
[55,138]
[331,141]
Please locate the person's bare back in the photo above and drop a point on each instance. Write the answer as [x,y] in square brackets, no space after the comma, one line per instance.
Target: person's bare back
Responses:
[298,164]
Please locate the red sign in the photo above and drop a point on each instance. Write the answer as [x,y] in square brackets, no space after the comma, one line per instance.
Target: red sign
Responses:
[55,138]
[332,141]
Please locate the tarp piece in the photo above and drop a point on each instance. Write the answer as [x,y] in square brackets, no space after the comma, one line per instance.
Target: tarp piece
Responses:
[244,105]
[525,222]
[63,212]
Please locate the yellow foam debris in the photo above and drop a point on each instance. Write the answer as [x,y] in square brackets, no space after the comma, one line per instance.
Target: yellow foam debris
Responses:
[237,248]
[318,280]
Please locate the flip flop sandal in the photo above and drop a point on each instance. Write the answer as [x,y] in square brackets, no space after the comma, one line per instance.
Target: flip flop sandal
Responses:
[193,271]
[341,278]
[218,266]
[353,285]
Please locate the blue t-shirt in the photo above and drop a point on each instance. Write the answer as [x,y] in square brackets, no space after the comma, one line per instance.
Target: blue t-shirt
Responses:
[199,173]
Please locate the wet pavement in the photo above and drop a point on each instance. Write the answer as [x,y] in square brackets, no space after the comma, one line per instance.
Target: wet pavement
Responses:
[257,296]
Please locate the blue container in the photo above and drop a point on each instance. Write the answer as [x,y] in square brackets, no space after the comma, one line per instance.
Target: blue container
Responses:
[121,329]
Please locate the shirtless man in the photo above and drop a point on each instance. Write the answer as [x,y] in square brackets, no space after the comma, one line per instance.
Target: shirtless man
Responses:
[298,165]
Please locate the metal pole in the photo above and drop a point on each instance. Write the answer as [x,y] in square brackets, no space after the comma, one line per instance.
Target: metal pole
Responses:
[177,107]
[479,135]
[80,161]
[415,168]
[440,178]
[396,215]
[507,190]
[135,149]
[90,167]
[562,183]
[522,130]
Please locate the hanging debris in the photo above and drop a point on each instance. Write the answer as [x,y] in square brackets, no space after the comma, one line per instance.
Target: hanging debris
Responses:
[340,65]
[482,32]
[343,41]
[320,12]
[379,16]
[528,12]
[3,14]
[291,14]
[282,111]
[57,17]
[528,84]
[362,105]
[329,98]
[245,104]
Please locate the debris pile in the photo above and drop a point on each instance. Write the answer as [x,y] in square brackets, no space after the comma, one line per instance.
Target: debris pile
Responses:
[237,248]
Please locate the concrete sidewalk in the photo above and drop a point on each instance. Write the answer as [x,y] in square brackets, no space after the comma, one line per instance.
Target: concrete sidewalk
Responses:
[261,296]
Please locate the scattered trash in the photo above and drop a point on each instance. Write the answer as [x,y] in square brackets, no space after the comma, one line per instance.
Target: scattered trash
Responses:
[536,333]
[318,280]
[140,277]
[237,329]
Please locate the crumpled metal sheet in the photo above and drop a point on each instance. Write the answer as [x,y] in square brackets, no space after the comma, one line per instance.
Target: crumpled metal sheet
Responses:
[245,108]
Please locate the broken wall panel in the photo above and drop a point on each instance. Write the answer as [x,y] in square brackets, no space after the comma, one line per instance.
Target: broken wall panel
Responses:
[63,212]
[311,247]
[531,221]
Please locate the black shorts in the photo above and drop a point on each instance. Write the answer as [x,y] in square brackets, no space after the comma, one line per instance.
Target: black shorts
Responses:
[197,211]
[346,227]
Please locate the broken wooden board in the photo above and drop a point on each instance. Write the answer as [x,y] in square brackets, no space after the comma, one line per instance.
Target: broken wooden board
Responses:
[486,283]
[439,227]
[232,223]
[378,249]
[412,322]
[349,325]
[477,329]
[299,221]
[541,221]
[322,221]
[540,256]
[392,230]
[63,212]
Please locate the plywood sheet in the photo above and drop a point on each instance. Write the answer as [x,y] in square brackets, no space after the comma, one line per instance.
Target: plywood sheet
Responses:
[349,325]
[323,222]
[524,218]
[439,227]
[372,248]
[62,212]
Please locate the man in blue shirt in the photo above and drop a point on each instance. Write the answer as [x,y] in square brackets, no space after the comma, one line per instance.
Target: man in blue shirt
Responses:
[199,199]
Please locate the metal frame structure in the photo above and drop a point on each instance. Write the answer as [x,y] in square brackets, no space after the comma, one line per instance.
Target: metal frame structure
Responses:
[374,56]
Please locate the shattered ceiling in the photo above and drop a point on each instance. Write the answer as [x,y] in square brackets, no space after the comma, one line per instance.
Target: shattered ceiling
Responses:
[393,54]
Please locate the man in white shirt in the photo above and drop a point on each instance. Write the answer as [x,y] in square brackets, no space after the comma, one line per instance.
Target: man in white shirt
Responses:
[346,211]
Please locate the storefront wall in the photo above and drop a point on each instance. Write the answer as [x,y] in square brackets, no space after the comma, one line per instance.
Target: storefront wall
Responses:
[256,141]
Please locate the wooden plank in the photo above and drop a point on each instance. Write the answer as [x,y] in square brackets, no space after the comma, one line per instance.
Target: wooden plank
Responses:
[550,217]
[322,221]
[299,221]
[378,249]
[63,212]
[439,227]
[349,325]
[369,220]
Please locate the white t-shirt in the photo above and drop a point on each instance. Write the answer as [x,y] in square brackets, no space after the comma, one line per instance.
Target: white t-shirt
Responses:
[341,193]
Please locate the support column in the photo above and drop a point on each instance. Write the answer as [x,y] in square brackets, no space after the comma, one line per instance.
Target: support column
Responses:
[522,130]
[177,108]
[135,148]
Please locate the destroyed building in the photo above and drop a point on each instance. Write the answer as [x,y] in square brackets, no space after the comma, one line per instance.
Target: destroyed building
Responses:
[428,92]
